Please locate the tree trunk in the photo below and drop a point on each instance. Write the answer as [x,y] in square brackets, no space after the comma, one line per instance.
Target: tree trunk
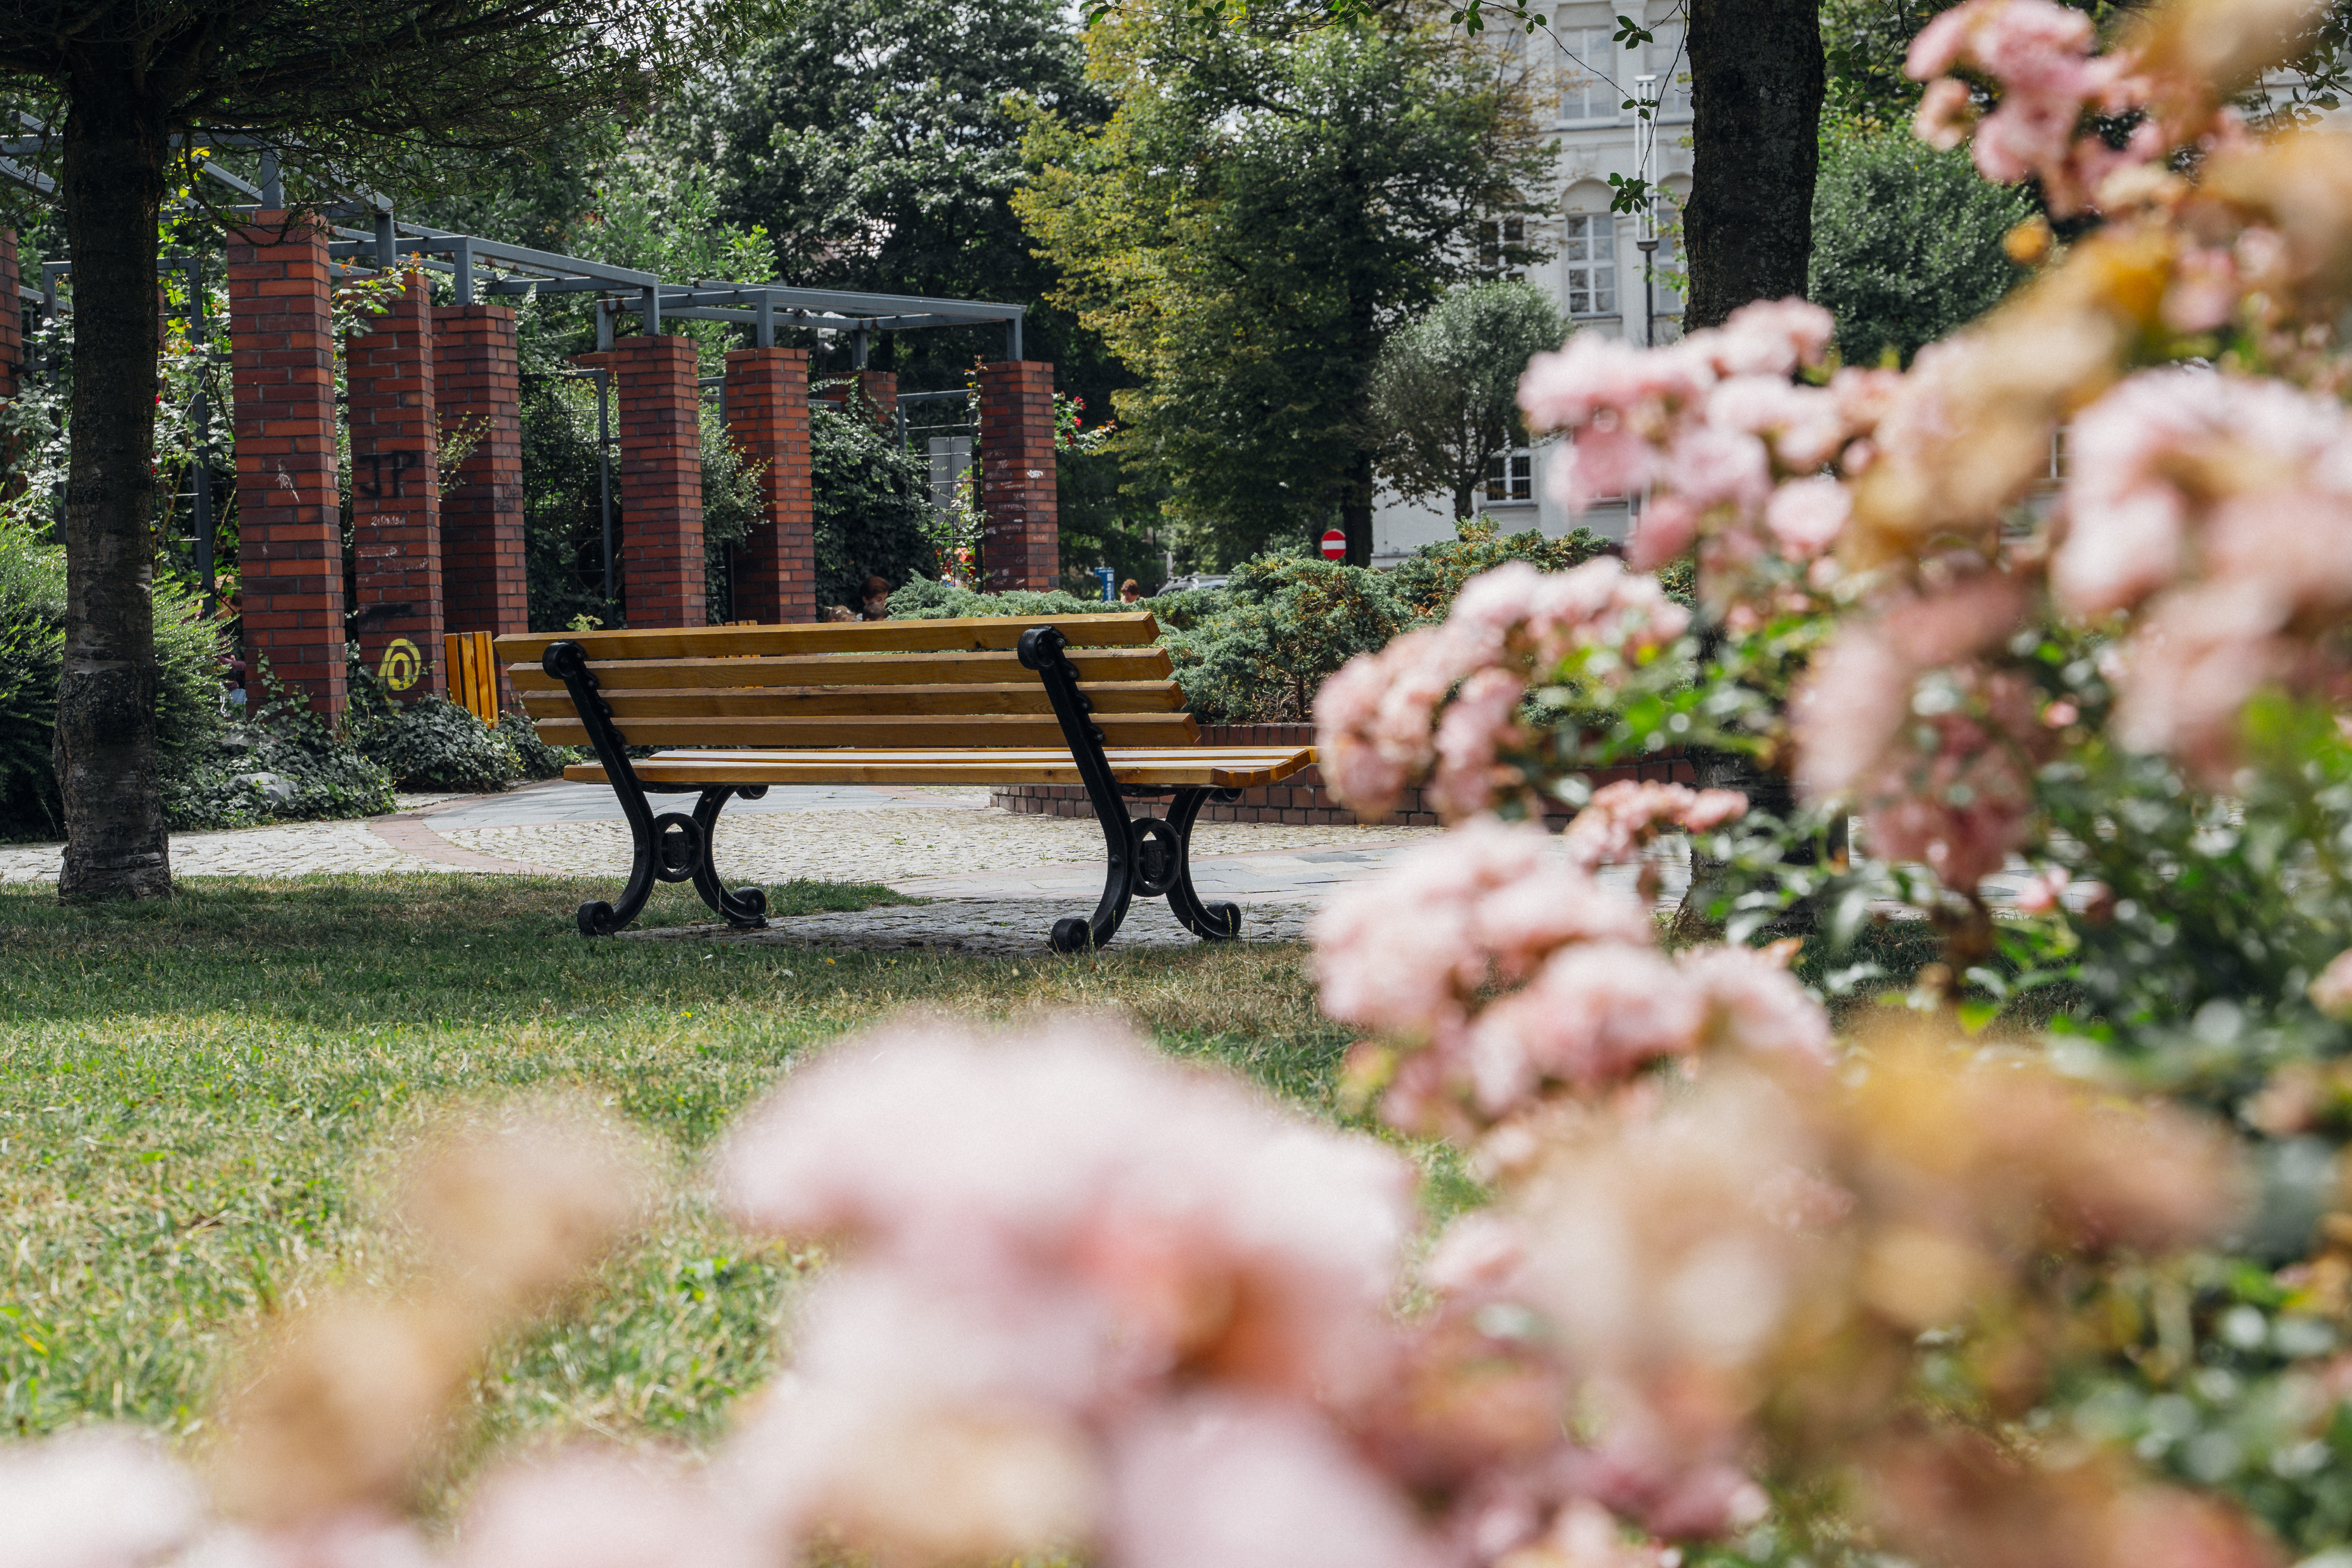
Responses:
[115,146]
[1355,509]
[1756,83]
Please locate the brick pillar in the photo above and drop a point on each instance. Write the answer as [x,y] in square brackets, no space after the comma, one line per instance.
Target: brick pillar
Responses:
[395,485]
[475,380]
[881,390]
[768,421]
[659,413]
[289,533]
[1022,547]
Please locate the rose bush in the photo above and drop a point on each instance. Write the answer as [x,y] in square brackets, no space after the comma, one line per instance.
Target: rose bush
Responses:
[1750,1286]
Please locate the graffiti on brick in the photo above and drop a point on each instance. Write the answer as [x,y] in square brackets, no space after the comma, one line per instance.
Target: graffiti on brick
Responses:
[376,463]
[402,667]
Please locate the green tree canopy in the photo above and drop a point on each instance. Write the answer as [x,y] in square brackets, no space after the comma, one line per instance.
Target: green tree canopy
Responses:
[1445,389]
[1906,241]
[1272,196]
[347,90]
[876,143]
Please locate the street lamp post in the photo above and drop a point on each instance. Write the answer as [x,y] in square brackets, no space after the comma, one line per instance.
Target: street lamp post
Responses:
[1645,226]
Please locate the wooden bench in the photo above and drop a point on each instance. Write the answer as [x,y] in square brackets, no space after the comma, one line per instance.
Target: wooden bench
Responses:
[1083,699]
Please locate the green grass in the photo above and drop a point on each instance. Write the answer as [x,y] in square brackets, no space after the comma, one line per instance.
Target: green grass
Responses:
[193,1092]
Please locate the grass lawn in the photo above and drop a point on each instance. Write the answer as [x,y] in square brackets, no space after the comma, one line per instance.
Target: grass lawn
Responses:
[193,1095]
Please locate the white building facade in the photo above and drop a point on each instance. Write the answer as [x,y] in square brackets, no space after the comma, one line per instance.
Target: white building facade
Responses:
[1579,77]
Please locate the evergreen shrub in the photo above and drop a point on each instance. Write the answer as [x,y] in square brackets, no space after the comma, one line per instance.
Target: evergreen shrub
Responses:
[188,717]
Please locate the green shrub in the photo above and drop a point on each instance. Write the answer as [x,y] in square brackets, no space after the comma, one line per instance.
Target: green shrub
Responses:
[871,498]
[1288,622]
[1427,580]
[1906,241]
[435,743]
[539,760]
[188,718]
[283,763]
[924,600]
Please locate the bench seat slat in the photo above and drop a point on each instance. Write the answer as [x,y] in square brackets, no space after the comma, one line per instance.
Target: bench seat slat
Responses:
[1215,768]
[848,669]
[986,731]
[1120,629]
[879,702]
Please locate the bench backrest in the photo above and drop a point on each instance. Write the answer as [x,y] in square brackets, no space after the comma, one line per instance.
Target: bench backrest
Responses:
[913,685]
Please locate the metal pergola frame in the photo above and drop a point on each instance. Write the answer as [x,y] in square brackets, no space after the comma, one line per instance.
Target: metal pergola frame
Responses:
[386,242]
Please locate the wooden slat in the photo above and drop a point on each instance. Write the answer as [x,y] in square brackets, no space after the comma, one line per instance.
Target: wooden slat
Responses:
[917,730]
[1003,768]
[876,701]
[1125,629]
[847,669]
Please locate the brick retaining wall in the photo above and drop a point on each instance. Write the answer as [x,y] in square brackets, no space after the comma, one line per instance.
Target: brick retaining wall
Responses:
[1300,799]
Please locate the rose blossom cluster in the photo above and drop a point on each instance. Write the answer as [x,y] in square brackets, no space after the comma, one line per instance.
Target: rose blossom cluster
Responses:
[2216,510]
[1591,1002]
[1906,717]
[1378,728]
[2041,56]
[1731,451]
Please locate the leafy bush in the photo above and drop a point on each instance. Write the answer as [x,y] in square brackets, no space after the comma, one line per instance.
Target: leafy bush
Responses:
[730,505]
[1427,580]
[564,527]
[1288,622]
[1906,242]
[32,655]
[283,763]
[435,743]
[871,499]
[924,600]
[539,760]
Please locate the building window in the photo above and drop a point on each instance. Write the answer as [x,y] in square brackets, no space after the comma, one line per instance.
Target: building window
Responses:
[1666,60]
[1587,55]
[1591,254]
[1511,476]
[1494,240]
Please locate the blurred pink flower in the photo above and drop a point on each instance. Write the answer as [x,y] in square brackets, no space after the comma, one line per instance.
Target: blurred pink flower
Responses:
[602,1509]
[1622,819]
[1247,1484]
[1201,1228]
[1378,728]
[1489,901]
[1806,516]
[95,1498]
[2040,56]
[1478,722]
[2331,993]
[1901,717]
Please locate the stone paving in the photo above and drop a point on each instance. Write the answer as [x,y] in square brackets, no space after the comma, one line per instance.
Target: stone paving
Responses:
[993,927]
[912,840]
[996,880]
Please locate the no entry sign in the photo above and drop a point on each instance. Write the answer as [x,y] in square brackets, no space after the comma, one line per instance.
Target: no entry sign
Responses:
[1335,545]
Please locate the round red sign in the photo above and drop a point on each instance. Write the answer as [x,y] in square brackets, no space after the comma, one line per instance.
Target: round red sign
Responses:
[1335,545]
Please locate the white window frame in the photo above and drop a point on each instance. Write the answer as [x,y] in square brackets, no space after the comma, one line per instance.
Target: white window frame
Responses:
[1510,477]
[1588,85]
[1595,234]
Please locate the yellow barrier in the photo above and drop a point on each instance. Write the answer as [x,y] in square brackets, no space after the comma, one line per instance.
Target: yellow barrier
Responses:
[473,674]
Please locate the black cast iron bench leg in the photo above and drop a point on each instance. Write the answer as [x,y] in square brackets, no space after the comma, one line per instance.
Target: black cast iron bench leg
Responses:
[670,847]
[1149,857]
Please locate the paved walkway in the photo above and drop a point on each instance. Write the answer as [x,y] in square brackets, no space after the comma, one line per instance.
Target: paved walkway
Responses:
[999,878]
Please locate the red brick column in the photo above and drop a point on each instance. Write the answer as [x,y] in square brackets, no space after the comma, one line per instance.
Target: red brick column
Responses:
[767,420]
[396,483]
[289,533]
[1022,547]
[475,380]
[661,480]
